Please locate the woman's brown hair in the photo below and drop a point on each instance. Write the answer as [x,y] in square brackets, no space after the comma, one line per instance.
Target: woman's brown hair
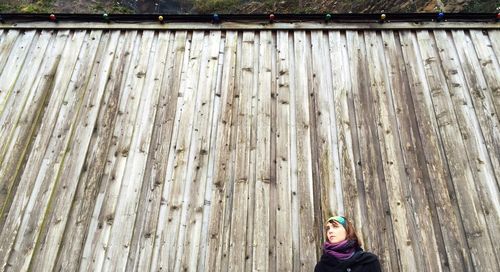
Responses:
[350,230]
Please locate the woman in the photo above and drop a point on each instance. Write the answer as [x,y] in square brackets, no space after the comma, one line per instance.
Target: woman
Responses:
[342,251]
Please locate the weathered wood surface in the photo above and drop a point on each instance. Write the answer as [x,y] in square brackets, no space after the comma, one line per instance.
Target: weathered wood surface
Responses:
[455,150]
[369,172]
[217,247]
[431,152]
[421,236]
[13,147]
[286,244]
[95,245]
[390,149]
[262,222]
[238,250]
[221,150]
[302,123]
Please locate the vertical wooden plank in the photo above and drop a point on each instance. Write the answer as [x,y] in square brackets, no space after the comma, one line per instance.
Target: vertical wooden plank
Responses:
[284,248]
[273,183]
[303,72]
[104,208]
[48,176]
[353,195]
[494,37]
[191,209]
[20,85]
[99,84]
[472,135]
[190,235]
[253,155]
[75,234]
[488,54]
[10,77]
[326,129]
[26,186]
[371,174]
[314,139]
[177,169]
[6,43]
[487,57]
[146,222]
[55,223]
[238,242]
[100,179]
[263,160]
[26,123]
[392,160]
[220,211]
[212,148]
[148,75]
[370,150]
[61,80]
[419,207]
[107,245]
[296,265]
[449,215]
[460,170]
[128,175]
[353,104]
[184,42]
[14,54]
[481,95]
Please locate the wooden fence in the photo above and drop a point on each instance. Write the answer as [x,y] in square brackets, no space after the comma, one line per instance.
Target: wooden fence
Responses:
[225,150]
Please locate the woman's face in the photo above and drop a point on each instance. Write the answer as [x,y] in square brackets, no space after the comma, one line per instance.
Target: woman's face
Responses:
[335,233]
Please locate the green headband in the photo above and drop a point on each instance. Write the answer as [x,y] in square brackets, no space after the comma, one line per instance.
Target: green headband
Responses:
[340,219]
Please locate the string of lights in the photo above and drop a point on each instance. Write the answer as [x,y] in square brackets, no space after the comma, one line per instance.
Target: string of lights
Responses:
[270,18]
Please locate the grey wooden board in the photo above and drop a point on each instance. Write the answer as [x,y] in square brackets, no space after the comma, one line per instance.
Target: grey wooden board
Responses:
[208,149]
[422,233]
[431,151]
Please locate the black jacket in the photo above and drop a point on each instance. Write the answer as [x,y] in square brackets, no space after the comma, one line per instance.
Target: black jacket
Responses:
[361,261]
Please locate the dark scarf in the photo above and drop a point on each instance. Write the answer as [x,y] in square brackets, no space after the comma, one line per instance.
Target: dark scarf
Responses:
[342,250]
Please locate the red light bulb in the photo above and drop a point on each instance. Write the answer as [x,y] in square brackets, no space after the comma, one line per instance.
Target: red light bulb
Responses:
[271,17]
